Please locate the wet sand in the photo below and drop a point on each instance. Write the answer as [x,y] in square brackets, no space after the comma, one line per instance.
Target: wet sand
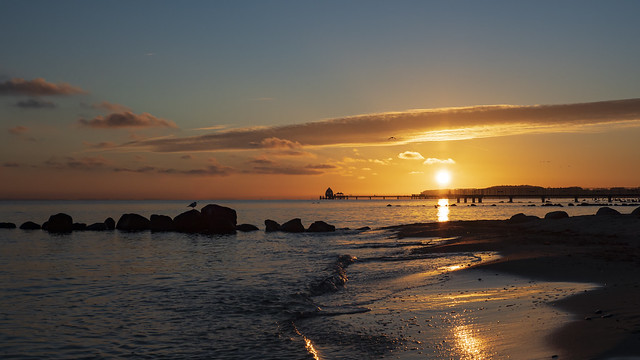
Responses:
[563,288]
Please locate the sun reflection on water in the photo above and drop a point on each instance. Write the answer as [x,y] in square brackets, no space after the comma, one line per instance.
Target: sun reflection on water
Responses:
[468,344]
[443,210]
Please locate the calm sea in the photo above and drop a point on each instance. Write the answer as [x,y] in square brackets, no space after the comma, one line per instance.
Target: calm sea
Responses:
[251,295]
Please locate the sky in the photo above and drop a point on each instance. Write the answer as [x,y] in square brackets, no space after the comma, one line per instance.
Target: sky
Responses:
[282,99]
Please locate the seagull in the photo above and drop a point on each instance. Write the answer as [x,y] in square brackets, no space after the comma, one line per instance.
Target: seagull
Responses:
[193,204]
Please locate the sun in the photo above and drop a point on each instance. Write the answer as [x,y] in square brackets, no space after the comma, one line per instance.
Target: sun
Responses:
[443,177]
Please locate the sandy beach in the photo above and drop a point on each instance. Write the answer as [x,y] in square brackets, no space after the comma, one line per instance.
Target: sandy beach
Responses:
[562,288]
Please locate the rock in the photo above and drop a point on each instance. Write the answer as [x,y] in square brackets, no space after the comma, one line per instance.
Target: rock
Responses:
[219,219]
[7,225]
[110,223]
[607,211]
[97,227]
[293,226]
[189,222]
[30,225]
[556,215]
[521,218]
[161,223]
[79,226]
[271,226]
[321,226]
[60,223]
[246,227]
[364,228]
[45,225]
[132,222]
[636,211]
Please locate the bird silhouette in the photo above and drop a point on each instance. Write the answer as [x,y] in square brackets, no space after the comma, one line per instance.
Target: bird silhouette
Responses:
[193,204]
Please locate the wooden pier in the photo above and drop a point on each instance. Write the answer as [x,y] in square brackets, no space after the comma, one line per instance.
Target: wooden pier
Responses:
[508,193]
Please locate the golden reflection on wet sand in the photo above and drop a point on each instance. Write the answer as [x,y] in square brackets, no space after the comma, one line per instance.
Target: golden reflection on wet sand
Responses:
[443,210]
[468,344]
[308,345]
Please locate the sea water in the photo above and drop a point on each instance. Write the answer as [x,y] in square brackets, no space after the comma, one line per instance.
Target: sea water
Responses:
[250,295]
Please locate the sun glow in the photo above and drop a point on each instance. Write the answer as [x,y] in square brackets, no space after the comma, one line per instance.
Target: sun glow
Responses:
[443,177]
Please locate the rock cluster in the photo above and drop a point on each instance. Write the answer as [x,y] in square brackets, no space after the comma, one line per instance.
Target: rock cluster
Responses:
[295,226]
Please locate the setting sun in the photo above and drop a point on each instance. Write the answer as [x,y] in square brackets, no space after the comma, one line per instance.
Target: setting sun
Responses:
[443,177]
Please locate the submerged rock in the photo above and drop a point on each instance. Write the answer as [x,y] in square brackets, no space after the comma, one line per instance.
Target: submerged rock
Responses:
[271,226]
[30,225]
[293,226]
[607,211]
[133,222]
[321,226]
[97,227]
[7,225]
[161,223]
[79,226]
[60,223]
[246,227]
[556,215]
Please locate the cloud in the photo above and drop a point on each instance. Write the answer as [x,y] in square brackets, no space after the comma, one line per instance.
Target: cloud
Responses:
[18,130]
[35,104]
[431,161]
[321,166]
[110,107]
[37,87]
[11,165]
[101,145]
[276,143]
[126,119]
[416,126]
[410,155]
[85,163]
[283,170]
[186,157]
[210,170]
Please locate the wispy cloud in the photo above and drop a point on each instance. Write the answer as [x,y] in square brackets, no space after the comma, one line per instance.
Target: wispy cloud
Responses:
[431,161]
[110,107]
[410,155]
[37,87]
[35,104]
[415,126]
[18,130]
[101,145]
[126,119]
[85,163]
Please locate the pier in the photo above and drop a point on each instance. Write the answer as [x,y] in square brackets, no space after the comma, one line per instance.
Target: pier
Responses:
[508,193]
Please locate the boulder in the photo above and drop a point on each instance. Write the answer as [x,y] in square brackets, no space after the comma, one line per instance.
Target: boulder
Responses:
[246,227]
[45,225]
[636,211]
[604,211]
[161,223]
[110,223]
[521,218]
[60,223]
[271,226]
[556,215]
[219,219]
[7,225]
[133,222]
[189,222]
[293,226]
[97,227]
[321,226]
[364,228]
[79,226]
[30,225]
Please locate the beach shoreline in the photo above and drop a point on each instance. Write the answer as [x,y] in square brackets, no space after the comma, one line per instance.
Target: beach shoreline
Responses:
[596,249]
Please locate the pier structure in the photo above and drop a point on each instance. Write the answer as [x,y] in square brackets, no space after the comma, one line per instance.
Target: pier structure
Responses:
[504,192]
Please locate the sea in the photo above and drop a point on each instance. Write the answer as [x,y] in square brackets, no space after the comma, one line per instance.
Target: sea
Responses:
[253,295]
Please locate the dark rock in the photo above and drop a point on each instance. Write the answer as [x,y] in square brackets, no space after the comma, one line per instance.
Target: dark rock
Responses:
[521,218]
[636,212]
[79,226]
[571,204]
[321,226]
[45,225]
[161,223]
[246,227]
[30,225]
[364,228]
[97,227]
[60,223]
[219,219]
[110,223]
[556,215]
[271,226]
[7,225]
[293,226]
[133,222]
[607,211]
[190,222]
